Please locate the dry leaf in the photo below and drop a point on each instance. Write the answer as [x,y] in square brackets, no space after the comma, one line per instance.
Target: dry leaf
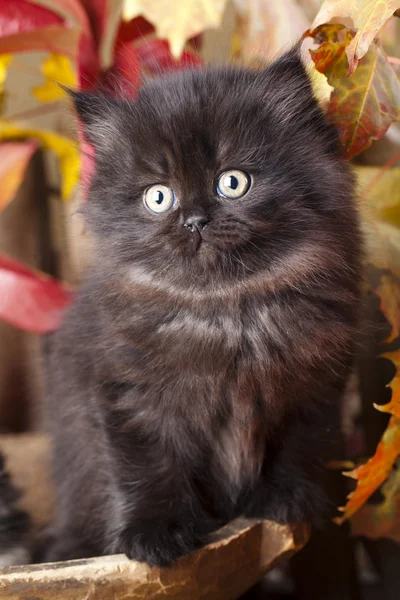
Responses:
[375,471]
[177,22]
[383,519]
[364,105]
[368,17]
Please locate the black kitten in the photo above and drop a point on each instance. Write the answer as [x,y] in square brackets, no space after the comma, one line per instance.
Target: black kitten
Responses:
[198,374]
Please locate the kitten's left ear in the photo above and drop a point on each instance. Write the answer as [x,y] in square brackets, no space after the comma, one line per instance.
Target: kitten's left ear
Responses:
[287,79]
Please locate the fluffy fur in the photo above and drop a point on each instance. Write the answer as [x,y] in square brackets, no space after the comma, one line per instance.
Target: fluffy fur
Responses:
[198,376]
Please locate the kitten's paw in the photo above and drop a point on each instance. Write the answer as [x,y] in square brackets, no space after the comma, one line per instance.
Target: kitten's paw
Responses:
[159,547]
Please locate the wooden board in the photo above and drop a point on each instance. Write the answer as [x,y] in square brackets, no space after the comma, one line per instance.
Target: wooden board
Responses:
[239,556]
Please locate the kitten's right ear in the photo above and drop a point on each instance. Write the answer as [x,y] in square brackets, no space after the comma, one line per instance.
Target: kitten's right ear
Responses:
[97,115]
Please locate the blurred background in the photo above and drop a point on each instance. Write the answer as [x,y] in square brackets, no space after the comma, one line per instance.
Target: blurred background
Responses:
[114,46]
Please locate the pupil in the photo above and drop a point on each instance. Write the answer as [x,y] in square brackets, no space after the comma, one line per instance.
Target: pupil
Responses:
[233,182]
[160,197]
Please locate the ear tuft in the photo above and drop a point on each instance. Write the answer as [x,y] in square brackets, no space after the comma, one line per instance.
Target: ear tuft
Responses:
[98,115]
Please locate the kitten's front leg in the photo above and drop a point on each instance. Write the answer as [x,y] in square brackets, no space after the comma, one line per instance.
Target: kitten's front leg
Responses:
[159,516]
[294,479]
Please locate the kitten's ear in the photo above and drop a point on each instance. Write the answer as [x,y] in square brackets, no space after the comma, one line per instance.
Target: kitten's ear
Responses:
[97,114]
[287,79]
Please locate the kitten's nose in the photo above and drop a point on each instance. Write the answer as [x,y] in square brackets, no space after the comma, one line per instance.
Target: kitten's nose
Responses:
[195,223]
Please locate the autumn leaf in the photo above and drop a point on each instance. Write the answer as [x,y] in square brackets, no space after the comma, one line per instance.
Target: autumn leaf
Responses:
[393,407]
[71,12]
[29,299]
[64,148]
[5,60]
[105,16]
[364,105]
[14,159]
[388,291]
[375,471]
[25,26]
[264,28]
[178,22]
[155,57]
[368,17]
[57,69]
[60,27]
[379,205]
[381,520]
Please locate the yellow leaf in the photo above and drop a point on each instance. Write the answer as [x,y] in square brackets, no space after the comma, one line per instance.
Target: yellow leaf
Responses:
[56,69]
[368,17]
[4,62]
[179,21]
[380,210]
[388,291]
[65,149]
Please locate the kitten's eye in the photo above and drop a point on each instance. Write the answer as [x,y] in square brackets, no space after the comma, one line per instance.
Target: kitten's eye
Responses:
[159,199]
[233,184]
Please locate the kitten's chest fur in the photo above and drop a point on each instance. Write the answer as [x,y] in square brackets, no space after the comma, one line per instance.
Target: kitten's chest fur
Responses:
[195,374]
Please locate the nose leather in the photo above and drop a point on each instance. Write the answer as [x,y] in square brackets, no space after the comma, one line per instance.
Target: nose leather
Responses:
[195,223]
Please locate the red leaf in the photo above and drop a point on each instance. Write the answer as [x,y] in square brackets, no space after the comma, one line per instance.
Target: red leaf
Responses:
[70,11]
[88,63]
[98,11]
[134,29]
[123,78]
[17,16]
[29,299]
[155,57]
[52,38]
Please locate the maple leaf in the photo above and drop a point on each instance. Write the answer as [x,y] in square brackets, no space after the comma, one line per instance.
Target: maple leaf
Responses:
[374,472]
[364,105]
[379,204]
[383,519]
[178,23]
[368,17]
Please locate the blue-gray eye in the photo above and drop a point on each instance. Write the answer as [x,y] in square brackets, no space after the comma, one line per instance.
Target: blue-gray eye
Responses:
[159,198]
[233,184]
